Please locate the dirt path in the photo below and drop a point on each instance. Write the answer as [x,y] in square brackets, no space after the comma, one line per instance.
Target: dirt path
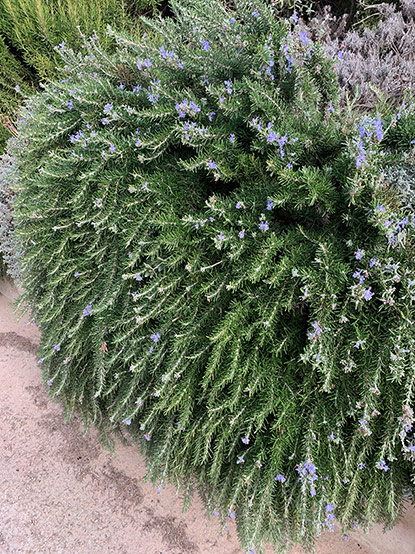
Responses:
[61,493]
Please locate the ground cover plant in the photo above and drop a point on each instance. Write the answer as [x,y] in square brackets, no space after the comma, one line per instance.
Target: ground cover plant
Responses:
[220,262]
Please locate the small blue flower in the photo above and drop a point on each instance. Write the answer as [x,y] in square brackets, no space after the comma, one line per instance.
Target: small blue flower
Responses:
[232,138]
[294,17]
[108,107]
[340,54]
[49,383]
[368,294]
[303,37]
[210,116]
[112,148]
[70,105]
[138,277]
[361,465]
[232,21]
[76,274]
[255,13]
[329,507]
[238,205]
[56,347]
[359,254]
[241,234]
[240,460]
[206,45]
[147,436]
[127,421]
[280,478]
[211,165]
[263,226]
[382,465]
[17,88]
[220,237]
[155,337]
[87,310]
[270,204]
[245,440]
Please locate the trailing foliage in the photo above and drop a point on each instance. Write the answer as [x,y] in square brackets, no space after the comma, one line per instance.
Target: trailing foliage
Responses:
[29,30]
[220,266]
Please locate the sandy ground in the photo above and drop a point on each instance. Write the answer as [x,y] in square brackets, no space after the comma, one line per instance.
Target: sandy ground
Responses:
[61,493]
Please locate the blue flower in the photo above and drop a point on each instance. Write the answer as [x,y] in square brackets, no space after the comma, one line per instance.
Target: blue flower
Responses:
[329,507]
[70,105]
[87,310]
[340,54]
[49,383]
[382,465]
[228,86]
[270,204]
[138,277]
[263,226]
[206,45]
[368,294]
[232,138]
[361,465]
[245,440]
[238,205]
[210,116]
[271,136]
[147,436]
[112,148]
[56,347]
[303,37]
[220,237]
[155,337]
[240,460]
[17,88]
[232,21]
[127,421]
[378,128]
[211,165]
[255,13]
[108,107]
[280,478]
[294,17]
[241,234]
[76,274]
[359,254]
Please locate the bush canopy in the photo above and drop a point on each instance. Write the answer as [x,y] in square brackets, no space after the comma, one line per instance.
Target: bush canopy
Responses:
[220,266]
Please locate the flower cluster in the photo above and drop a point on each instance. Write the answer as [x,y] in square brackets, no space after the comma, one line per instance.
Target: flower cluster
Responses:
[308,474]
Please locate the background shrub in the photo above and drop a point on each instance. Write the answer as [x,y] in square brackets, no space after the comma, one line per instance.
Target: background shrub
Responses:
[220,266]
[371,61]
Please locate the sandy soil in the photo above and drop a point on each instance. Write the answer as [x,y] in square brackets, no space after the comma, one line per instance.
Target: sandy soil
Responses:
[61,493]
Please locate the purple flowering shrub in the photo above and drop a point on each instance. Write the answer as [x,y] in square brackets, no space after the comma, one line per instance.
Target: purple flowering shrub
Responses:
[221,268]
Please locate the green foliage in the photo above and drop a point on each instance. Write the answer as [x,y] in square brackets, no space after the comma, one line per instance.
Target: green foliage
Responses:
[35,27]
[219,266]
